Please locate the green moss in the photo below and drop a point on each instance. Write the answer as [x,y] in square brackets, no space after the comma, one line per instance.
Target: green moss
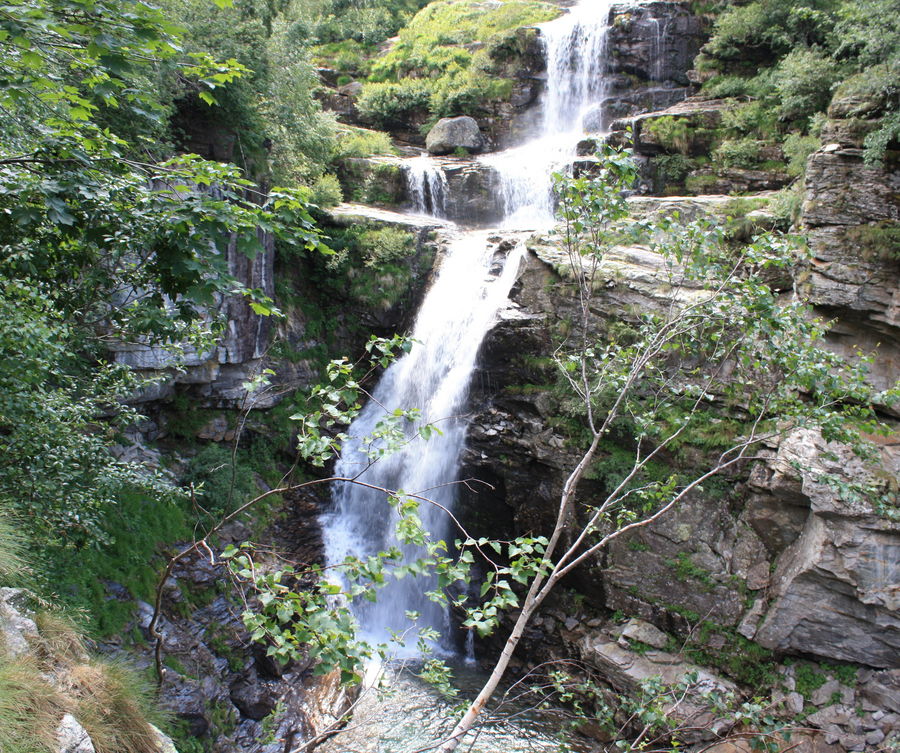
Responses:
[877,241]
[808,678]
[136,528]
[686,570]
[743,660]
[700,183]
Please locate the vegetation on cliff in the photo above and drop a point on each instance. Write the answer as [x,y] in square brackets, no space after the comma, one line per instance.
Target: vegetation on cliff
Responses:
[795,59]
[449,60]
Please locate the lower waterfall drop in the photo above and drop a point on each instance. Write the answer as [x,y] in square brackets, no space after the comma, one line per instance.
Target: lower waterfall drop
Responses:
[433,378]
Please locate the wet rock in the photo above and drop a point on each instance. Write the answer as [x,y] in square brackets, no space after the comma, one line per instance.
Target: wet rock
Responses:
[71,737]
[451,134]
[655,41]
[253,698]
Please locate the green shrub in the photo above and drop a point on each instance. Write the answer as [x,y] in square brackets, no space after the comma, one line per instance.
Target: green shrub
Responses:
[385,244]
[446,59]
[361,142]
[803,81]
[673,134]
[390,101]
[797,149]
[747,34]
[787,203]
[326,191]
[737,153]
[673,168]
[752,119]
[725,86]
[221,482]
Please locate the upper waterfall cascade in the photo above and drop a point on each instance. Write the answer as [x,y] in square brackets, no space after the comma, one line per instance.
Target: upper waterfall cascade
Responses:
[457,312]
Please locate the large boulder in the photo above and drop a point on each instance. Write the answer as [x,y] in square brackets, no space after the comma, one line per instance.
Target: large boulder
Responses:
[834,589]
[451,134]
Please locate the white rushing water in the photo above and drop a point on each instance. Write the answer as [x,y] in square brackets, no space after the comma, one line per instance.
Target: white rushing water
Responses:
[572,105]
[427,186]
[433,378]
[455,315]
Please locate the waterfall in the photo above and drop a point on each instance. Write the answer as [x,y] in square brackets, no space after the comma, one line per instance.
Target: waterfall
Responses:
[455,315]
[573,104]
[575,50]
[433,378]
[427,186]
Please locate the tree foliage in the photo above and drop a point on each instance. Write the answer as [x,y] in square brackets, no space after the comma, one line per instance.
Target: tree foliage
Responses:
[105,237]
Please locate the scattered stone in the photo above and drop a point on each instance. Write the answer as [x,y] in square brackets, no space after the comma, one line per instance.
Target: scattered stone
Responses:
[823,695]
[794,703]
[874,737]
[852,742]
[71,737]
[836,714]
[638,630]
[450,134]
[882,690]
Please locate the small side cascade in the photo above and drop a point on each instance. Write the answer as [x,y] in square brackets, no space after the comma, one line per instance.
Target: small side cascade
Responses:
[659,63]
[427,186]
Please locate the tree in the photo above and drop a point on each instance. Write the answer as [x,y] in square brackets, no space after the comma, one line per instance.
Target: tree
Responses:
[724,338]
[725,334]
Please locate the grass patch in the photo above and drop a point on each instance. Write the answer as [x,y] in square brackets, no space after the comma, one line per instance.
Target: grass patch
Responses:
[450,59]
[30,709]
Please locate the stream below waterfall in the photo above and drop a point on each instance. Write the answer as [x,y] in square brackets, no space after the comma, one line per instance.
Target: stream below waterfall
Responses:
[408,716]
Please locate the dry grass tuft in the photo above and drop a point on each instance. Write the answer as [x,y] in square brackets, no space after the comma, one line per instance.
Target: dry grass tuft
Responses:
[61,644]
[30,708]
[108,698]
[112,704]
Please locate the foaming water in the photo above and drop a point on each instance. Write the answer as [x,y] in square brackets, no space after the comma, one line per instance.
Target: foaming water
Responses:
[432,378]
[406,715]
